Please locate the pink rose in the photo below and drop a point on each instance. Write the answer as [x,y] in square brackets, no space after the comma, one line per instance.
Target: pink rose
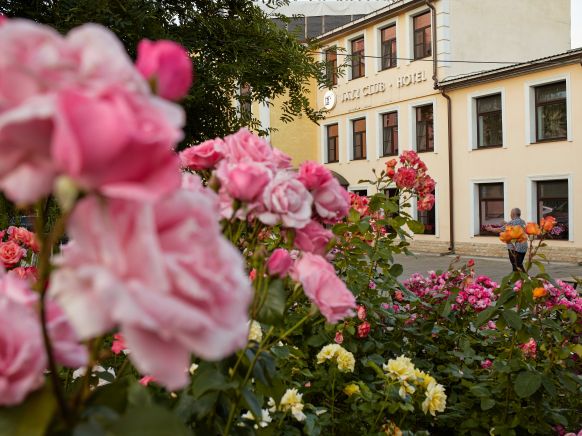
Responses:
[11,253]
[127,154]
[486,364]
[118,344]
[24,237]
[361,311]
[282,160]
[339,338]
[244,146]
[204,156]
[285,200]
[405,178]
[167,66]
[27,273]
[279,263]
[313,238]
[146,380]
[243,181]
[313,175]
[332,201]
[162,274]
[324,288]
[22,356]
[363,330]
[426,202]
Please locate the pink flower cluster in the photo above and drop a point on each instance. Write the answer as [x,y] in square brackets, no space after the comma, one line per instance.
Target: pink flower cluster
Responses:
[52,91]
[529,349]
[412,175]
[15,244]
[22,354]
[477,294]
[562,295]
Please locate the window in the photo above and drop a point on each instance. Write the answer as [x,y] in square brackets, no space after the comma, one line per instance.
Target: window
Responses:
[332,139]
[491,207]
[424,129]
[428,218]
[360,192]
[245,101]
[422,36]
[550,112]
[331,65]
[359,139]
[390,134]
[388,44]
[358,59]
[489,124]
[552,200]
[392,193]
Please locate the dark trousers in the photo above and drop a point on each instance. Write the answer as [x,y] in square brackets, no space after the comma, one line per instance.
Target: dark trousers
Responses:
[516,259]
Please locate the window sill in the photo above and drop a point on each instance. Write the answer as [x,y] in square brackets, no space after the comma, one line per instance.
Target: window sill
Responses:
[487,147]
[389,155]
[386,69]
[358,159]
[543,141]
[332,161]
[356,78]
[419,59]
[425,151]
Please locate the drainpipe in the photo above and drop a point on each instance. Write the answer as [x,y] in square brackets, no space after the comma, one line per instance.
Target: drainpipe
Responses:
[449,124]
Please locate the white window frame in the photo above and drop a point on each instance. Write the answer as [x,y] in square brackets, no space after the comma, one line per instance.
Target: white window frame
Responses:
[472,117]
[412,123]
[530,101]
[379,130]
[377,31]
[350,137]
[348,43]
[414,211]
[353,188]
[323,141]
[531,196]
[474,202]
[410,30]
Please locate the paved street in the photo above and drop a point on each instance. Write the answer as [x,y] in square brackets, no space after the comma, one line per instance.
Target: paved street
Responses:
[496,268]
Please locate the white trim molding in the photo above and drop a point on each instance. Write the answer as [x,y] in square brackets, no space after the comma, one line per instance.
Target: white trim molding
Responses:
[531,195]
[530,116]
[472,117]
[379,130]
[412,123]
[474,202]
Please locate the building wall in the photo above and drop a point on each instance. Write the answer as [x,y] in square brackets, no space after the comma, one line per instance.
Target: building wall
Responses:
[502,30]
[519,163]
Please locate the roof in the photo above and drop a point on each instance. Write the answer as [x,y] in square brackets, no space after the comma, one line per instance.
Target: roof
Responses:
[312,8]
[568,57]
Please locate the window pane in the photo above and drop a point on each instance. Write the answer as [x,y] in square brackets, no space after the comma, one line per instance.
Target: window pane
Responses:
[553,201]
[332,130]
[490,129]
[553,189]
[388,33]
[358,45]
[553,91]
[488,104]
[360,125]
[418,38]
[552,120]
[422,20]
[491,190]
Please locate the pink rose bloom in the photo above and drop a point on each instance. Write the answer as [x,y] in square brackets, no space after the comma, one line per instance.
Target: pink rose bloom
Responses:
[285,200]
[203,156]
[26,273]
[3,19]
[486,364]
[372,284]
[118,344]
[163,275]
[24,237]
[282,160]
[11,253]
[243,181]
[339,338]
[426,202]
[279,263]
[253,274]
[313,238]
[127,154]
[363,330]
[66,347]
[313,175]
[244,146]
[146,380]
[324,288]
[332,201]
[167,66]
[405,178]
[22,356]
[361,311]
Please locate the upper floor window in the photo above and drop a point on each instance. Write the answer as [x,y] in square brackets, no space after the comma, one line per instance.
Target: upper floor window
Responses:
[332,143]
[388,44]
[390,134]
[357,58]
[424,128]
[550,112]
[489,124]
[331,65]
[422,36]
[359,139]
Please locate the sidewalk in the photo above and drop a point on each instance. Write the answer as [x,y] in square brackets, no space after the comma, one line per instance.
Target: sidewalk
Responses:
[494,267]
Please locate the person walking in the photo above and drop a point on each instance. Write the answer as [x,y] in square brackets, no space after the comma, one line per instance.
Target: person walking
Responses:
[515,250]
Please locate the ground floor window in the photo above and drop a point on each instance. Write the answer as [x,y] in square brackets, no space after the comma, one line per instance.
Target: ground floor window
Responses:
[428,218]
[491,207]
[361,192]
[552,200]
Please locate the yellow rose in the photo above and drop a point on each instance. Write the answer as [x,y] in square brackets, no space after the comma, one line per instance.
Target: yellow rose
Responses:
[401,368]
[255,332]
[292,402]
[422,378]
[436,399]
[351,389]
[345,361]
[328,352]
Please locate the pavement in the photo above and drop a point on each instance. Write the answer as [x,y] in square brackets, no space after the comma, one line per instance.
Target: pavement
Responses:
[494,267]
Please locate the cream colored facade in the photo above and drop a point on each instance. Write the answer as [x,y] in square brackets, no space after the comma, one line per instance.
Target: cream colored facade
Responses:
[466,30]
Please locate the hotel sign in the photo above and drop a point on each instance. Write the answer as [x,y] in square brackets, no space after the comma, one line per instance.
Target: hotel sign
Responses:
[411,79]
[364,91]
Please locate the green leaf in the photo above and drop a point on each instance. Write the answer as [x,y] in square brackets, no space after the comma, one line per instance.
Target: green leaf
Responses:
[252,403]
[209,378]
[138,396]
[30,418]
[513,319]
[416,226]
[148,421]
[484,316]
[353,216]
[396,270]
[274,308]
[527,383]
[487,403]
